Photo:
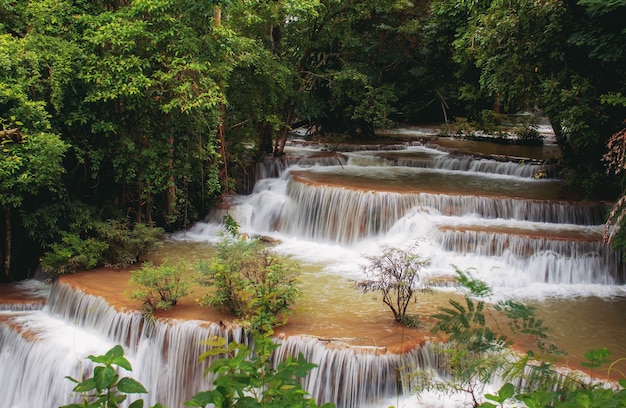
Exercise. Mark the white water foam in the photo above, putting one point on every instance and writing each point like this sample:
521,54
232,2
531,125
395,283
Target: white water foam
337,227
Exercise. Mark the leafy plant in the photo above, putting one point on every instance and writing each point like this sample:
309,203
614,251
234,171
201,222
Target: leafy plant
246,377
528,134
127,243
231,225
504,393
396,275
73,253
596,358
91,244
476,353
159,287
251,281
583,396
106,389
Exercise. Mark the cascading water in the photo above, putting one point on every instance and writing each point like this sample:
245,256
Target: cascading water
39,348
522,235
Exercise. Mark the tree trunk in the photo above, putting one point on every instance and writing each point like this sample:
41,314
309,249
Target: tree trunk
7,244
171,191
265,138
284,132
217,22
217,16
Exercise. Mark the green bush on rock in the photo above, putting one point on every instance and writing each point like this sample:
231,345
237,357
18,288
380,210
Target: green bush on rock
159,287
251,281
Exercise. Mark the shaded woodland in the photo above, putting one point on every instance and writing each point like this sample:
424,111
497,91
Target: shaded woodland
115,114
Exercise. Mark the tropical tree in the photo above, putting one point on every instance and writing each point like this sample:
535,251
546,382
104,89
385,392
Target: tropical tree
560,57
32,154
151,105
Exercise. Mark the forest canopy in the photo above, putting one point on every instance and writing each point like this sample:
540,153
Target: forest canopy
148,111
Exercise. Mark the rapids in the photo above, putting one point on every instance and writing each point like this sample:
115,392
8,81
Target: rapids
504,219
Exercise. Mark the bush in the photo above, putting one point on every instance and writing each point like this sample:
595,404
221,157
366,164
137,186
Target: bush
251,281
104,243
244,377
396,275
474,354
528,134
127,244
73,253
488,121
159,287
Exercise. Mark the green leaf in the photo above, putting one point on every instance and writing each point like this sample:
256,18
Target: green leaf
204,398
104,377
122,362
72,379
136,404
506,392
86,386
131,386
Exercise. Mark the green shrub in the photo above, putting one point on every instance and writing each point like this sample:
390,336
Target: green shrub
475,354
73,253
463,127
528,134
159,287
103,243
488,121
127,244
244,377
251,281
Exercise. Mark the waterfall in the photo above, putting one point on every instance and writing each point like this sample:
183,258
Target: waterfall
525,237
336,213
341,215
39,348
549,260
346,215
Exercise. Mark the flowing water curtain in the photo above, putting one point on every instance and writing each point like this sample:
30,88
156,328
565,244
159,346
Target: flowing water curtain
342,215
78,324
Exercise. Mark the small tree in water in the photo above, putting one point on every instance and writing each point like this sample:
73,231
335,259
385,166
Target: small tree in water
396,275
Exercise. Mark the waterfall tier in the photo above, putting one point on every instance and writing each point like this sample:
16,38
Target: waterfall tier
164,355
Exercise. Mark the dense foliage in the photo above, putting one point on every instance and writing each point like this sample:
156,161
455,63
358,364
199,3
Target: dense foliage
90,244
247,377
149,110
477,351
